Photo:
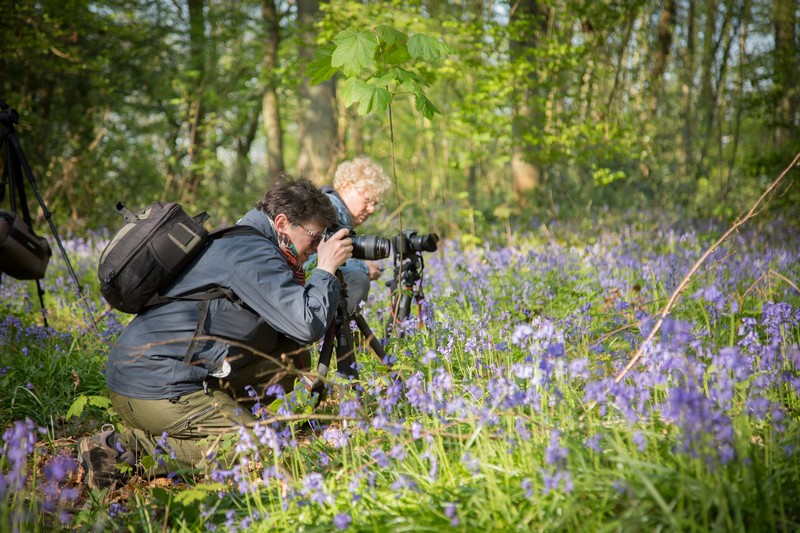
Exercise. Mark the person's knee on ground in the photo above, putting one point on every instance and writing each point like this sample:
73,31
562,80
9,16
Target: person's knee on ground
183,432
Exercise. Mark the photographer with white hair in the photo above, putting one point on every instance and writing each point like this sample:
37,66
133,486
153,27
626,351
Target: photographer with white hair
358,186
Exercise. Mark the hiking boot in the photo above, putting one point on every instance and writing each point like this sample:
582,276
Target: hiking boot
99,455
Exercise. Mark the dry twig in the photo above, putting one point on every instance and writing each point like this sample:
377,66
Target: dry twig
685,281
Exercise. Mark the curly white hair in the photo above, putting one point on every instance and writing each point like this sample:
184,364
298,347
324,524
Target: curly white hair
363,173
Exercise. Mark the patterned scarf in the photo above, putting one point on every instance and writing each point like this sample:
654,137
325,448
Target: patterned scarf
290,254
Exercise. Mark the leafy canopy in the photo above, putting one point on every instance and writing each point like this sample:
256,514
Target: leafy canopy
377,66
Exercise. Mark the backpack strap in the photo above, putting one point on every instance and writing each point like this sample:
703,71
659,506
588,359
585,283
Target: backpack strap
231,231
204,298
131,217
204,304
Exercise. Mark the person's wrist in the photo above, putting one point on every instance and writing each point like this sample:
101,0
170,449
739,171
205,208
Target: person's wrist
327,267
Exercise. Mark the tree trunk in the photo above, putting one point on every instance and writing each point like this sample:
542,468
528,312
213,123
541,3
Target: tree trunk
270,102
243,145
666,30
687,84
715,36
319,145
527,23
197,45
725,190
785,74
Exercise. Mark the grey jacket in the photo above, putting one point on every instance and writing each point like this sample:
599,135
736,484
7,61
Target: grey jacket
146,362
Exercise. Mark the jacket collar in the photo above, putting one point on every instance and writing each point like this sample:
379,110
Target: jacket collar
259,220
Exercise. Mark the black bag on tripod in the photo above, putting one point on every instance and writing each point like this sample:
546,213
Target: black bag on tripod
23,254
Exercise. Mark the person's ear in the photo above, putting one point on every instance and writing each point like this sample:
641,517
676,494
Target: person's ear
281,221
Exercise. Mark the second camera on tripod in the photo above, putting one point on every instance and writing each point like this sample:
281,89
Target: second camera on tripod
410,242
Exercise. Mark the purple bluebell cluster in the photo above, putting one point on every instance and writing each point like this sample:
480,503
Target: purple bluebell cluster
55,490
511,369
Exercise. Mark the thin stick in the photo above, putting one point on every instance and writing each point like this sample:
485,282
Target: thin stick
685,281
784,278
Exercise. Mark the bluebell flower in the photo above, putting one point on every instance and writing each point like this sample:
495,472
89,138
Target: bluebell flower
593,443
398,452
450,512
555,454
342,521
555,480
527,486
314,489
640,441
471,463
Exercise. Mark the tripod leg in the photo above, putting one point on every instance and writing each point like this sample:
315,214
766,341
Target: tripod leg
345,351
374,343
318,386
400,310
40,291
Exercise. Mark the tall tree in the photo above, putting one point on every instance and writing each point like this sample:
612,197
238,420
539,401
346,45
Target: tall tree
270,101
786,68
665,32
197,66
319,145
528,22
687,88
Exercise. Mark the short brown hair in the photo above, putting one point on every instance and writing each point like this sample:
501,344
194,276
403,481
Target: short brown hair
299,199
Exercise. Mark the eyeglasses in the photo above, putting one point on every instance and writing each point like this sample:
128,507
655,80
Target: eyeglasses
315,237
375,204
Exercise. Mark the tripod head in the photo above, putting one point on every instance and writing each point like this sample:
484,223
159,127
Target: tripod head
8,117
409,265
408,247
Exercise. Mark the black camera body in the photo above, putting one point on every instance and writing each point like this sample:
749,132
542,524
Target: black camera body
369,247
409,243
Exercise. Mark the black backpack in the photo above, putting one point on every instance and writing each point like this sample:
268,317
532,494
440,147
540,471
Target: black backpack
149,252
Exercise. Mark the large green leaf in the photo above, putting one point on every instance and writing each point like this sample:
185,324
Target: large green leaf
390,36
397,55
197,493
80,403
354,51
404,76
427,48
425,106
369,95
320,68
77,407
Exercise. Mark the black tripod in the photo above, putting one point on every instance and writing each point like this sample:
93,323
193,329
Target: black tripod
412,266
340,335
16,165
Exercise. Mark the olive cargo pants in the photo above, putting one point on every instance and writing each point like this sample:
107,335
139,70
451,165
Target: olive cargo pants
189,426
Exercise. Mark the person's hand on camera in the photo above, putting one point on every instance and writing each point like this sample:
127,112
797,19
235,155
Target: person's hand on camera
374,270
333,252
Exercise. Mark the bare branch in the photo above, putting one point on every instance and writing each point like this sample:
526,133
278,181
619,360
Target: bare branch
685,281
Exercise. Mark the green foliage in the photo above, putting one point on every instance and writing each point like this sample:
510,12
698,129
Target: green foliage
108,99
353,51
80,403
383,56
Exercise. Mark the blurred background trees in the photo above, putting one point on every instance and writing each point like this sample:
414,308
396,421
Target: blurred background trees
549,108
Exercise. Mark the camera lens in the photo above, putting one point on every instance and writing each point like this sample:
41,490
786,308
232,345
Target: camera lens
370,247
424,243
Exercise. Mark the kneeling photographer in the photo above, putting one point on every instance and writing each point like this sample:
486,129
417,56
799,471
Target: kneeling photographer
173,389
